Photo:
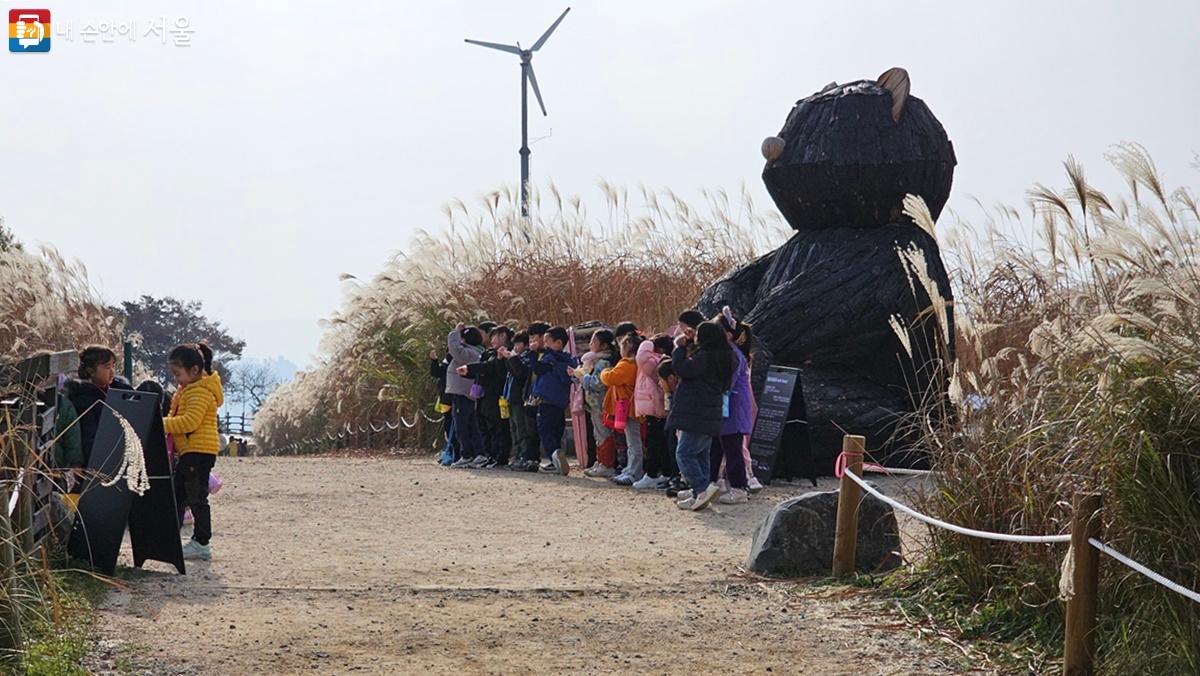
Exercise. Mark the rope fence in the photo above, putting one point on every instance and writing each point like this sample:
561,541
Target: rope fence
350,429
1080,571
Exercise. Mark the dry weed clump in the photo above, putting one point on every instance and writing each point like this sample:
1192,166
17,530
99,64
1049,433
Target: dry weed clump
645,257
1078,369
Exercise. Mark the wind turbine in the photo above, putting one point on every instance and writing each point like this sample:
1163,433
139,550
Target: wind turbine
527,78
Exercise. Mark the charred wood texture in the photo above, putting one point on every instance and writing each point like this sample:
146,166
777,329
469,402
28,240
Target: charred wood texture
846,163
822,302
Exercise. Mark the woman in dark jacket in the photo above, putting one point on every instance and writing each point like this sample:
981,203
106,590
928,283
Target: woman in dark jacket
698,406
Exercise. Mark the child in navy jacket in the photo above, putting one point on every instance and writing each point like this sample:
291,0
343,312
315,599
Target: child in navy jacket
552,390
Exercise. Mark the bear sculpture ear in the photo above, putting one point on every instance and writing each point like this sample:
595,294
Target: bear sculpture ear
772,148
895,80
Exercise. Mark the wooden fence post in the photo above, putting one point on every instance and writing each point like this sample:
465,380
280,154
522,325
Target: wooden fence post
1079,649
845,538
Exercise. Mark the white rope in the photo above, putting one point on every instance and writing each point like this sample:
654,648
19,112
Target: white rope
986,535
898,471
377,431
1173,586
433,420
390,426
407,424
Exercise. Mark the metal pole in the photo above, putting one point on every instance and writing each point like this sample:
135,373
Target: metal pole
129,361
524,136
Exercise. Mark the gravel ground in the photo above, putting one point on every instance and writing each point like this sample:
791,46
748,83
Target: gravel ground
396,565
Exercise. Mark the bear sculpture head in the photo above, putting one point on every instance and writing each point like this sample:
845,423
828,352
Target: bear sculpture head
848,155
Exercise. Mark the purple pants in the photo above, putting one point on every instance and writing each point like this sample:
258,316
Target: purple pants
728,446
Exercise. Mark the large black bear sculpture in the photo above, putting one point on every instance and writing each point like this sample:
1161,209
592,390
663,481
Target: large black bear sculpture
825,302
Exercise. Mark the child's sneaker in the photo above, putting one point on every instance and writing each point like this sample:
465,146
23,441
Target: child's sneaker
548,467
677,487
705,497
599,471
479,462
754,485
462,462
560,461
194,551
646,483
734,496
623,480
685,500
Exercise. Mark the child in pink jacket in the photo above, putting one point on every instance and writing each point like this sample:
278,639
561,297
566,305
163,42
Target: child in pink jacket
649,407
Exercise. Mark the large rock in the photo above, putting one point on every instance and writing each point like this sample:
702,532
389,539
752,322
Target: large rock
796,539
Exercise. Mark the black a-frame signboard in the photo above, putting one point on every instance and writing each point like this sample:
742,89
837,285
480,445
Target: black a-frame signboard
779,446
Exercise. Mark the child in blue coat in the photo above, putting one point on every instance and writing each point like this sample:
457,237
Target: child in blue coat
552,390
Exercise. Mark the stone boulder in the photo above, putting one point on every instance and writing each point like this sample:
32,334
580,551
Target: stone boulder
796,539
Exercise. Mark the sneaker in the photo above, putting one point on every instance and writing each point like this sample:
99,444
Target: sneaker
561,462
663,484
599,471
685,500
753,485
462,462
623,480
479,462
676,487
705,497
194,551
646,483
734,496
548,467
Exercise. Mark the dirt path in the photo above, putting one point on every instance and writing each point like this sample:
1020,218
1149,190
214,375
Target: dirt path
400,566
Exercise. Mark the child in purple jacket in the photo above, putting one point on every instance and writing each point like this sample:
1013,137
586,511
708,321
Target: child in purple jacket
737,424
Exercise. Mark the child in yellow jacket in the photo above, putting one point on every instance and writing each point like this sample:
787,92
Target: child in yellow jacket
192,423
621,380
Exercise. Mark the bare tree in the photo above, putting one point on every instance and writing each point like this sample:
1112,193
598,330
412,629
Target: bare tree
252,382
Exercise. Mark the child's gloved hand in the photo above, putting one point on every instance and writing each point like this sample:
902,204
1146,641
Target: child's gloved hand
461,370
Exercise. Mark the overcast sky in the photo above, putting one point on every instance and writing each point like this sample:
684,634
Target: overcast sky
293,141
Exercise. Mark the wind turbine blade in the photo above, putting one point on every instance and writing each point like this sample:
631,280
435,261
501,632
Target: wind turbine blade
492,45
536,92
545,36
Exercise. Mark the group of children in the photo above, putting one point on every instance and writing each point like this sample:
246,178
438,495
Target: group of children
189,421
665,412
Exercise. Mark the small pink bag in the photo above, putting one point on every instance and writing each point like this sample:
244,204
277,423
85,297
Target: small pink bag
621,416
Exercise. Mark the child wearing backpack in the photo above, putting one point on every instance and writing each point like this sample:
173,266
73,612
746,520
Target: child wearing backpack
465,344
600,357
649,407
698,407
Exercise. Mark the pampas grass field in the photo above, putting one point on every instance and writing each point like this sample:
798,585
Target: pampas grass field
1078,370
644,257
